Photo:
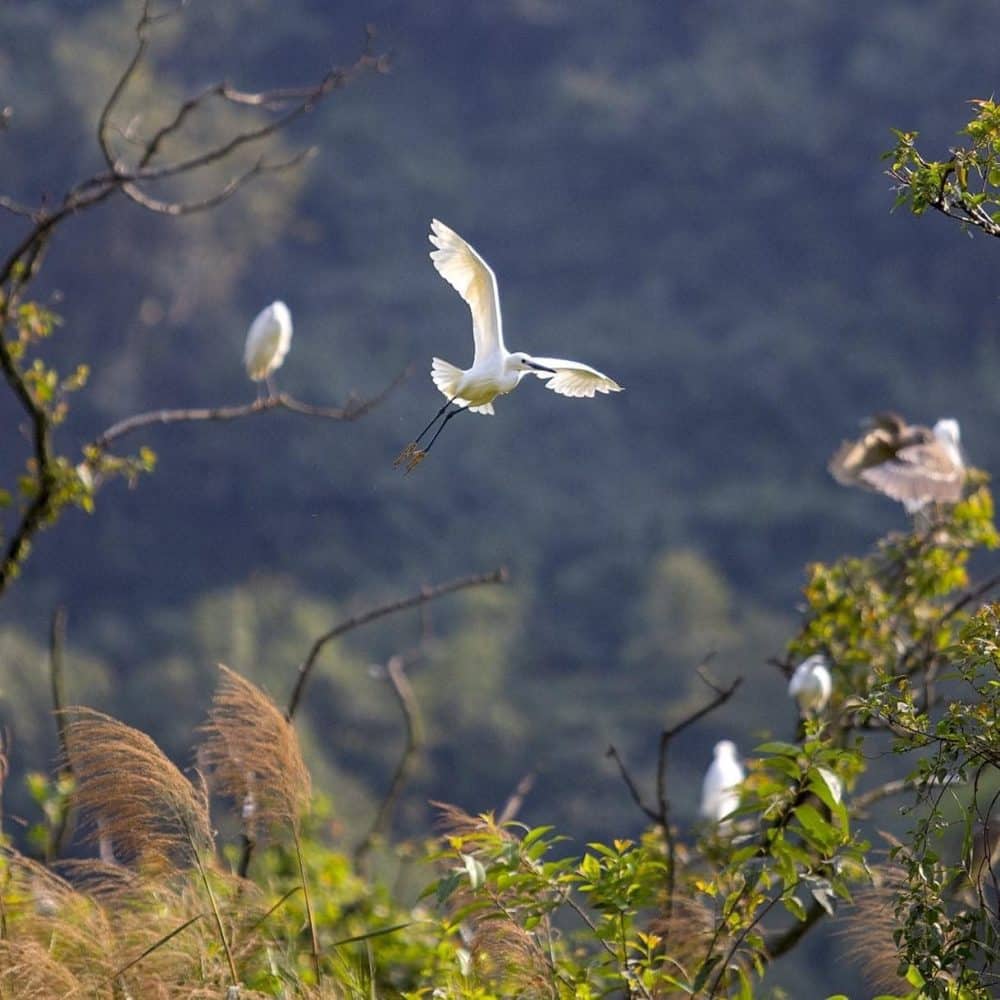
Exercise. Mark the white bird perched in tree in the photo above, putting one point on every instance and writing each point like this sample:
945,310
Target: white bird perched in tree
811,685
268,340
495,371
720,791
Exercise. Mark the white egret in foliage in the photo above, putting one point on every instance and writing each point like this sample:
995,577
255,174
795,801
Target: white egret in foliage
268,340
811,685
495,371
720,791
913,464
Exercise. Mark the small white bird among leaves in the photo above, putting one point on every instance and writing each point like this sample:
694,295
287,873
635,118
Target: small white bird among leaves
720,791
268,340
495,371
811,685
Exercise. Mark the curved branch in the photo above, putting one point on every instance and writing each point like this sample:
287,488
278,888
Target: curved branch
396,671
426,594
352,410
177,208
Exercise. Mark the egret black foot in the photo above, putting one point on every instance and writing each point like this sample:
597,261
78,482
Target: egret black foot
406,455
415,459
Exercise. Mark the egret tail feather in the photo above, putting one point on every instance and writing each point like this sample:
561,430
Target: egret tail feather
447,378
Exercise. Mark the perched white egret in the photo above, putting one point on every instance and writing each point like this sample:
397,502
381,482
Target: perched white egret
495,371
912,464
268,340
811,685
720,791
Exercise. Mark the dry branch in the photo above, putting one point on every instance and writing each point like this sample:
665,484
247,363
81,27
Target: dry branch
352,410
22,262
372,614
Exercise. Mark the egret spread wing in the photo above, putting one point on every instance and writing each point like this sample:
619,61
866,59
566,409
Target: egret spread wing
470,276
573,378
918,473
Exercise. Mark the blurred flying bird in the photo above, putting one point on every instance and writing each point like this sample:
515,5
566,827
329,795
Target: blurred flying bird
720,793
907,462
811,685
495,371
268,340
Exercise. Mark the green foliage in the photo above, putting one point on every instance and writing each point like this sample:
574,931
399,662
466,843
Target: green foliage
966,186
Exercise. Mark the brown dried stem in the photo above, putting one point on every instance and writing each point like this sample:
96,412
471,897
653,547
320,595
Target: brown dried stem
660,814
57,641
353,409
396,671
372,614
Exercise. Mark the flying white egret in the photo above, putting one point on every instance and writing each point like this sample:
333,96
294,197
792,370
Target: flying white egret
811,685
495,371
268,340
720,791
912,464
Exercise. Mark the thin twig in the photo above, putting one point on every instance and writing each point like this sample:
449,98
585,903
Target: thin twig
352,410
722,695
396,671
513,804
781,943
57,642
157,944
310,919
424,595
231,187
630,784
873,795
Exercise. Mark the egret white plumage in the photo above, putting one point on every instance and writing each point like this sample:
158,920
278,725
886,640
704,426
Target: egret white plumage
495,371
811,685
910,463
720,790
268,340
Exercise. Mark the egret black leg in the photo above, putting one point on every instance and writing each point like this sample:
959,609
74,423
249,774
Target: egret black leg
430,444
416,440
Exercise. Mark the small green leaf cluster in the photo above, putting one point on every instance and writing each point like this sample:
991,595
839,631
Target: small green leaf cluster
965,186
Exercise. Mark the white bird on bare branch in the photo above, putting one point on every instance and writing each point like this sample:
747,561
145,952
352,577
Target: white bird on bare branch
495,371
268,340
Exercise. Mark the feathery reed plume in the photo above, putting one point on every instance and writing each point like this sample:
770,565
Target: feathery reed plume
254,757
510,957
868,932
253,753
129,791
686,931
29,972
72,928
454,821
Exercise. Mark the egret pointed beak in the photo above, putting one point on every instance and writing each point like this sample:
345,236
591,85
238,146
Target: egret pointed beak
540,368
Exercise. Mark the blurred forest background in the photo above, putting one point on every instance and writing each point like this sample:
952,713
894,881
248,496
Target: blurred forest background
687,196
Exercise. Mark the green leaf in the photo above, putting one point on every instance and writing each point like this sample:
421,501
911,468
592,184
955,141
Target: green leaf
779,747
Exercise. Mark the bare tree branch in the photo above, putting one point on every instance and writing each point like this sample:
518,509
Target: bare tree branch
396,672
177,208
23,260
372,614
120,86
352,410
660,814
